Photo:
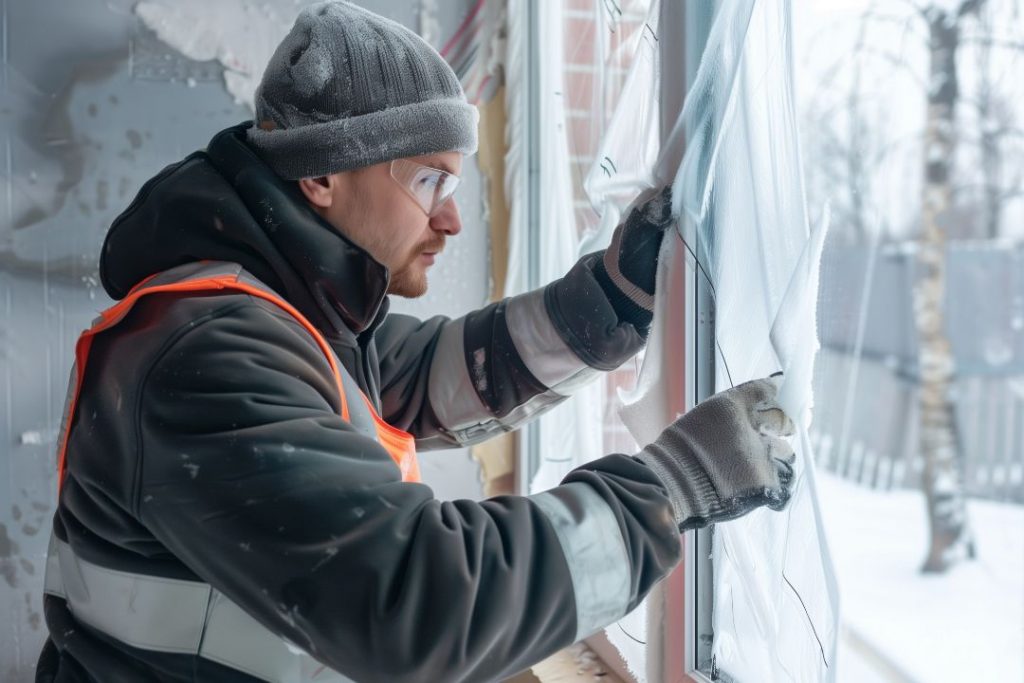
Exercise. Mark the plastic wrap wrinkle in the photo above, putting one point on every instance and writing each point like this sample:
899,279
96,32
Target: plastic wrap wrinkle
709,106
739,188
563,431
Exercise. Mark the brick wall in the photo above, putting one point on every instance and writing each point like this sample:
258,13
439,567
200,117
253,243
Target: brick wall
600,37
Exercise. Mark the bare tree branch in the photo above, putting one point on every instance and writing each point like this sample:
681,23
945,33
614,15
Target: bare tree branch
969,7
994,42
1010,191
896,61
908,22
921,10
1002,134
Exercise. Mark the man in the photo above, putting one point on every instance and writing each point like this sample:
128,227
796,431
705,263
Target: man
238,484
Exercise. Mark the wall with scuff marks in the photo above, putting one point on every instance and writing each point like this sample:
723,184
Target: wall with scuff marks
92,104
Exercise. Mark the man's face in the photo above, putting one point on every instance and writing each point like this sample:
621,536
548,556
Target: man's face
369,207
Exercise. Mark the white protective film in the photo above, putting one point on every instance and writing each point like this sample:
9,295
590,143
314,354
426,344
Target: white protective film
626,163
576,431
776,600
740,192
565,433
586,55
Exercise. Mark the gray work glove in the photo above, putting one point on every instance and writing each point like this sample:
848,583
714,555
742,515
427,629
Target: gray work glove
727,456
629,267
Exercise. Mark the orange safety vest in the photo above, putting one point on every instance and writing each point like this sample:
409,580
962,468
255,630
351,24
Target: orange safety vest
212,276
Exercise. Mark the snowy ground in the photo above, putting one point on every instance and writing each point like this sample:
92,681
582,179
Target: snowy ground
904,626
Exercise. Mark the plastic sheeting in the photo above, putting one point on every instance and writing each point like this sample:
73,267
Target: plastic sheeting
572,433
740,191
776,600
566,432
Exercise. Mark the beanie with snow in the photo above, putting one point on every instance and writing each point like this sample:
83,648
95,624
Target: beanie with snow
348,88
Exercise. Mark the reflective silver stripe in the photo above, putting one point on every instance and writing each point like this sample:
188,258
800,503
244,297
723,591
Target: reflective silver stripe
65,415
147,612
541,348
53,584
474,433
585,376
457,403
451,392
536,405
181,617
235,639
594,550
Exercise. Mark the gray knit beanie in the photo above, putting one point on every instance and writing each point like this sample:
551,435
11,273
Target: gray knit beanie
348,88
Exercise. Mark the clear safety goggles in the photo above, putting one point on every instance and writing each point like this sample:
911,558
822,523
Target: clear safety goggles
430,187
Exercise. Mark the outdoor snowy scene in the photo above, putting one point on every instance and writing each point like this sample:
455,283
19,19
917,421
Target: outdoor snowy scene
912,117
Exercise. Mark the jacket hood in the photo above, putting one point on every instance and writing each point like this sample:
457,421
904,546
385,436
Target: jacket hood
225,204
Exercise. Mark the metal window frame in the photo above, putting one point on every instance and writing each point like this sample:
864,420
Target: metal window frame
528,443
688,593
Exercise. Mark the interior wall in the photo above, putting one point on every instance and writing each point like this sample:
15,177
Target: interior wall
92,104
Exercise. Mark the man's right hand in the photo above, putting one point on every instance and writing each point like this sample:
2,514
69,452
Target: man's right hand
727,456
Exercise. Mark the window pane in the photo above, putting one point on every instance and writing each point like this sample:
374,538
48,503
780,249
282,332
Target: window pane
911,128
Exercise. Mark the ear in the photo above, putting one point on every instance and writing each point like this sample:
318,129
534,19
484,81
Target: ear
319,191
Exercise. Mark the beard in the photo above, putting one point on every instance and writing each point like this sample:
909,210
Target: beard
410,280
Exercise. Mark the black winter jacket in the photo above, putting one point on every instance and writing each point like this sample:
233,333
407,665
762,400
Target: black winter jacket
207,446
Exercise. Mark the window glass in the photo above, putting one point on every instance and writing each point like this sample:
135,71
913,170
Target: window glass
912,116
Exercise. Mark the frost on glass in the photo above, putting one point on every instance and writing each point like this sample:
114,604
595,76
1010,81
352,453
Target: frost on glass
739,192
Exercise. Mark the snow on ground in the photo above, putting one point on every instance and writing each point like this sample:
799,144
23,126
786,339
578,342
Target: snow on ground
965,624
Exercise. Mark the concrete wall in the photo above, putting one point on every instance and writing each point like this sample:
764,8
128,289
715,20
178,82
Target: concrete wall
91,105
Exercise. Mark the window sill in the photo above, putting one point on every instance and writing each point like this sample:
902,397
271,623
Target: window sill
574,664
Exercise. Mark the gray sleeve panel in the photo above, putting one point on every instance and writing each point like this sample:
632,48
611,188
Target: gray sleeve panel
436,389
459,382
455,396
594,551
542,349
454,399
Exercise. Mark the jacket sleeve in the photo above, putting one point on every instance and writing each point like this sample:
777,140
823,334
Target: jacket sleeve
459,382
249,477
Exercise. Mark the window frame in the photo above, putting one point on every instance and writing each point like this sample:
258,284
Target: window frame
528,443
698,567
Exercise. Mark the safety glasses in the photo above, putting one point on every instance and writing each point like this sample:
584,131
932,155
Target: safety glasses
430,187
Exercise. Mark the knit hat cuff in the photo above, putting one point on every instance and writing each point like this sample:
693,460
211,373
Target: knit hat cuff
319,149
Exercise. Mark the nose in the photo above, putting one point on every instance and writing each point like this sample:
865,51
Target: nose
447,220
